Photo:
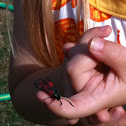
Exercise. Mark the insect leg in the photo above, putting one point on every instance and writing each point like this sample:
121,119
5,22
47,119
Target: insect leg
60,103
68,101
49,97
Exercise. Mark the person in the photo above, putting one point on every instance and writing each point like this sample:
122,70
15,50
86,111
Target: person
37,54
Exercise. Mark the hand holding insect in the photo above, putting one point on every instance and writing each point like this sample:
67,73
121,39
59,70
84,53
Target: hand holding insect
95,89
48,87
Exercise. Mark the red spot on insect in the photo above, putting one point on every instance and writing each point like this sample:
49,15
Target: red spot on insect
50,93
46,86
118,37
50,83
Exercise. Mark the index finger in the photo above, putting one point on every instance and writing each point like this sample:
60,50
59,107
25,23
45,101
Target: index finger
100,32
81,108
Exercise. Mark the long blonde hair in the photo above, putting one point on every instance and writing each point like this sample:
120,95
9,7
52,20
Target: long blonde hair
40,27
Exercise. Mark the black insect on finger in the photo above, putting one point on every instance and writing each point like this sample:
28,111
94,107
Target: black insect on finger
48,87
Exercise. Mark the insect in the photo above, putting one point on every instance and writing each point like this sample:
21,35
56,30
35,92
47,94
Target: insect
48,87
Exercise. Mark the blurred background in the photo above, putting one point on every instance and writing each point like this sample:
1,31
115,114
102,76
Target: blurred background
8,116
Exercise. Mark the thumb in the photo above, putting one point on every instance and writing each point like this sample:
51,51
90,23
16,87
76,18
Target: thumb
111,54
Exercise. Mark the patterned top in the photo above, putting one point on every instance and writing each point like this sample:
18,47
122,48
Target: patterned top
64,12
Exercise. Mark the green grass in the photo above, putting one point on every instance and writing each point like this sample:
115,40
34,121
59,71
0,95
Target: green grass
8,116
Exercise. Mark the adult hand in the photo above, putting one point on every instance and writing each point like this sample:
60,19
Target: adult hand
95,89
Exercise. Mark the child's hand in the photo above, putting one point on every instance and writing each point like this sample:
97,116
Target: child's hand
80,58
103,116
113,117
95,89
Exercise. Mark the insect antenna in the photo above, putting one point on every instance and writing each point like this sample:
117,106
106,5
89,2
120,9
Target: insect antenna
68,101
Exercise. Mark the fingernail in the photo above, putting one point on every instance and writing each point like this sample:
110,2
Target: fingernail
115,115
104,27
97,45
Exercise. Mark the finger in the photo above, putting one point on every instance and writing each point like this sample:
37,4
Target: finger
103,116
67,47
55,106
100,32
81,108
117,113
94,32
77,67
73,121
112,116
122,121
44,97
111,54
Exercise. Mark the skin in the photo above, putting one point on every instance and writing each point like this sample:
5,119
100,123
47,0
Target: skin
90,83
25,69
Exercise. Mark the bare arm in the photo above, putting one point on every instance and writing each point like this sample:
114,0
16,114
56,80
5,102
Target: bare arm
24,96
24,70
